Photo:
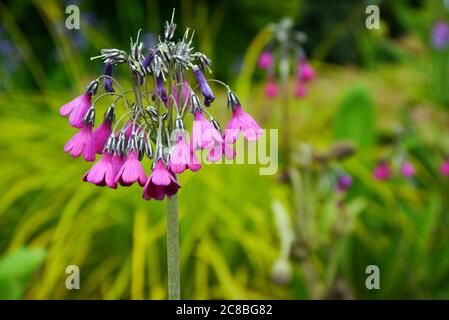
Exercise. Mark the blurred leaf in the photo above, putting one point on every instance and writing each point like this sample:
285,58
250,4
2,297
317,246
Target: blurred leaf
16,269
355,119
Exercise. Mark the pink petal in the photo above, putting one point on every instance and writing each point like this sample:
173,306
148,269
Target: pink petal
160,175
77,115
66,109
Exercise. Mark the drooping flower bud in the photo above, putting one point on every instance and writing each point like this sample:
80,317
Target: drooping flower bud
204,86
107,79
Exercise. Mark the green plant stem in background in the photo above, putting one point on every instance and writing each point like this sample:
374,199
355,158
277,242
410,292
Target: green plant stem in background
285,121
174,287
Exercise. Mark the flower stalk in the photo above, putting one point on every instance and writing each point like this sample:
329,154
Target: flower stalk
174,286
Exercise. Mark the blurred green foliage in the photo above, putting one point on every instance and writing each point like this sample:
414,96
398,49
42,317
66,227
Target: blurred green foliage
49,218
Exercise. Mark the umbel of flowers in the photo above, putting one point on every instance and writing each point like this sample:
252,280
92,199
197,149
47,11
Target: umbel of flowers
148,119
284,53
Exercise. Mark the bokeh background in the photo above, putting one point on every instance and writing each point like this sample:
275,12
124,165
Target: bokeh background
370,85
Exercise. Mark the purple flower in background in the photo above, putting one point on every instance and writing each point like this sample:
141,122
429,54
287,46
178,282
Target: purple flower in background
79,40
407,170
149,39
382,171
89,18
9,53
300,89
265,60
444,169
6,47
271,88
305,71
343,183
440,35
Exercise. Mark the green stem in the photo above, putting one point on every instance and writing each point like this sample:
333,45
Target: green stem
286,121
174,287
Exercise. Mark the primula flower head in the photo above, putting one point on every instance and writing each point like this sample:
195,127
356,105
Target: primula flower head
163,96
285,46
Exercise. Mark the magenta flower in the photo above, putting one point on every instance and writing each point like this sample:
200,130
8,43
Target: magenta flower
117,161
160,183
444,169
242,122
265,60
182,157
76,109
407,170
226,148
306,73
382,171
103,172
131,171
343,183
101,135
300,90
204,134
82,143
271,89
